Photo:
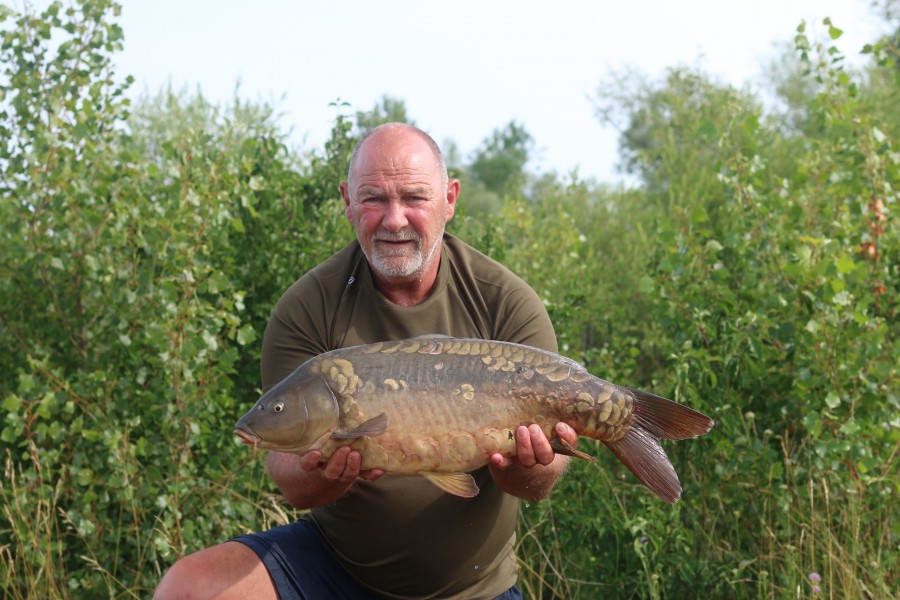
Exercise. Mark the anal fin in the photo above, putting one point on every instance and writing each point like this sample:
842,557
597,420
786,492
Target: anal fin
641,452
458,484
371,428
561,446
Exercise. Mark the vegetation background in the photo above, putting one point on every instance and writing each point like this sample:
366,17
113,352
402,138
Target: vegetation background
753,274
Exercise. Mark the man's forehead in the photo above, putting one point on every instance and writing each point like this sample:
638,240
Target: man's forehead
403,188
395,148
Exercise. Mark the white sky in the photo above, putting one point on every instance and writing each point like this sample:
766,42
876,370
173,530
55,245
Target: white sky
463,67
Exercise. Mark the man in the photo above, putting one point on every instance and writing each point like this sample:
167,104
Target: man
391,537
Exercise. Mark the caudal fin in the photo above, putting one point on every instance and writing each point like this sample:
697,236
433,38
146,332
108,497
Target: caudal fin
666,419
640,450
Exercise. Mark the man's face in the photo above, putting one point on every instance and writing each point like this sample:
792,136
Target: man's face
399,204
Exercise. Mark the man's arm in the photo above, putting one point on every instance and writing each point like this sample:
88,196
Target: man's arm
534,471
305,483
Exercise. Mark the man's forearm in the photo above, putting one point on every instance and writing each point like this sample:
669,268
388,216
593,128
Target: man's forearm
301,488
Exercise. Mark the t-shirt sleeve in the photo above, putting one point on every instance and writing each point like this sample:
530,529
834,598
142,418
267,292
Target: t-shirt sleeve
296,332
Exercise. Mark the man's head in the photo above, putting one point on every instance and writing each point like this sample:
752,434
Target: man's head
399,199
397,127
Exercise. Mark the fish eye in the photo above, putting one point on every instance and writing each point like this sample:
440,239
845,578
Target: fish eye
278,407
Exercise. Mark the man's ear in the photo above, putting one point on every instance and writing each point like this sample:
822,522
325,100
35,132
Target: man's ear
452,195
345,194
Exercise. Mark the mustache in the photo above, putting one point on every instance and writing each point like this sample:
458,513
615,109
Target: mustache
409,236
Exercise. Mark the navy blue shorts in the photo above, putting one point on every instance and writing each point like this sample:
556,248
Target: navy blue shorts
303,569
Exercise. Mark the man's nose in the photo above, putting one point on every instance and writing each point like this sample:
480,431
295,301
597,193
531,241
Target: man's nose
394,217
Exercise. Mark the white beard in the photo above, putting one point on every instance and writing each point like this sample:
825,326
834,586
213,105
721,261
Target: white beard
397,263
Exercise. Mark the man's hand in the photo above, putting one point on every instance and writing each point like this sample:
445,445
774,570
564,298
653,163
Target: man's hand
307,483
343,466
534,470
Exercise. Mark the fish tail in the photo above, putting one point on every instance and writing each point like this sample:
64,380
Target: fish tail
640,450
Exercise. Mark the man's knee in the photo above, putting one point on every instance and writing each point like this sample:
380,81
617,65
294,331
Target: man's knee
229,570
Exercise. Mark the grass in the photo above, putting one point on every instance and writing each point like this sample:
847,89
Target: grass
804,534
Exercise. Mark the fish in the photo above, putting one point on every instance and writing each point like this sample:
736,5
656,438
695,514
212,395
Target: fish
439,407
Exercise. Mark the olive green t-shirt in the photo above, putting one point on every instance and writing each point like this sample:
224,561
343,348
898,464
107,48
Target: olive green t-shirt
402,537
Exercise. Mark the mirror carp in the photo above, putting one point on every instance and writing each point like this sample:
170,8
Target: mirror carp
439,407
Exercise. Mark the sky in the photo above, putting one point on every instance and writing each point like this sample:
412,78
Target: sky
464,67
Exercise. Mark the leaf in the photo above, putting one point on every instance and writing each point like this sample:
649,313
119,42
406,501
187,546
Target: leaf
699,215
246,334
217,282
11,403
26,383
845,264
832,400
646,285
851,427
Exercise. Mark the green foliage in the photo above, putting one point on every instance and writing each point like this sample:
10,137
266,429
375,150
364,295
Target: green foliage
497,171
386,110
753,275
772,278
499,164
135,283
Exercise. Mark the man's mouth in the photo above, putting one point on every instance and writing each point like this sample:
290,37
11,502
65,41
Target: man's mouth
394,241
395,244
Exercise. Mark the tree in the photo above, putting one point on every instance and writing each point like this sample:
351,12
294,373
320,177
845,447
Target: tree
386,110
499,163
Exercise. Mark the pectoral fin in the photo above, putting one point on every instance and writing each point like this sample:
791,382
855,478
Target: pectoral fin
458,484
371,428
561,446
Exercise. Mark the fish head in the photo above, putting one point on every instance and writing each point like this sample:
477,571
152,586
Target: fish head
292,416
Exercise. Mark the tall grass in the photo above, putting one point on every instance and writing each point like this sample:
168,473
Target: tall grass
807,533
31,561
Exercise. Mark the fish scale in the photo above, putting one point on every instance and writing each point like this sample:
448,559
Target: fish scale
439,407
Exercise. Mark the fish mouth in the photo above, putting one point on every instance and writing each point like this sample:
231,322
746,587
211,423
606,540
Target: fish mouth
248,437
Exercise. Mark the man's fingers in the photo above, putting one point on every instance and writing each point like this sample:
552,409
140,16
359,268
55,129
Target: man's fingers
351,468
371,474
566,432
524,448
501,462
337,467
310,460
543,453
533,447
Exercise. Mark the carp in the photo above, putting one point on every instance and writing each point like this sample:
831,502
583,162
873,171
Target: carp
439,407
